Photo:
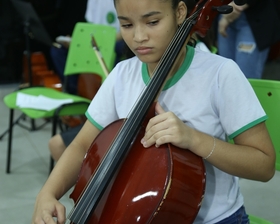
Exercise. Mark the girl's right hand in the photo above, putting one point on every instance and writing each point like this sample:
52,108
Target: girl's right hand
47,207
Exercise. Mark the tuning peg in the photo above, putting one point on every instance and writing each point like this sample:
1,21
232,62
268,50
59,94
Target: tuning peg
240,2
224,9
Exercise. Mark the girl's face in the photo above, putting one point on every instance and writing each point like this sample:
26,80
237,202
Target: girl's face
147,26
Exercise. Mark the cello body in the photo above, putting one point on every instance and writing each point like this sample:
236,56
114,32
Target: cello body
153,185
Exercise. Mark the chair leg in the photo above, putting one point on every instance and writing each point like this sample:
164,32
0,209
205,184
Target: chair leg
9,151
14,123
33,125
54,127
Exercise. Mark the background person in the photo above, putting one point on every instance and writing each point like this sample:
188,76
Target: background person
246,34
97,12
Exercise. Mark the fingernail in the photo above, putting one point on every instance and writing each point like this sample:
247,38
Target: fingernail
144,143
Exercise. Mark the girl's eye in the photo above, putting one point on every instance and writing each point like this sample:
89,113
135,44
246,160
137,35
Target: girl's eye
153,23
126,25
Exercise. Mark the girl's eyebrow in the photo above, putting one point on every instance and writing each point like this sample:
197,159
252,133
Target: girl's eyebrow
144,16
151,14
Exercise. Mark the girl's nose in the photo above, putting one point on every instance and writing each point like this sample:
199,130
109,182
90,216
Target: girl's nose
139,34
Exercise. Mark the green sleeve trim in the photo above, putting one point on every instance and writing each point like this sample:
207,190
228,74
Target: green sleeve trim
98,126
252,124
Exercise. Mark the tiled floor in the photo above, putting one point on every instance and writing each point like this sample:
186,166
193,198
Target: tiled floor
30,166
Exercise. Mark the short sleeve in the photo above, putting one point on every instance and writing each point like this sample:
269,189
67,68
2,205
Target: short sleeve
101,110
238,106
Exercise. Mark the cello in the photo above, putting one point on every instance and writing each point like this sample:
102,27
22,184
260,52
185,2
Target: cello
122,182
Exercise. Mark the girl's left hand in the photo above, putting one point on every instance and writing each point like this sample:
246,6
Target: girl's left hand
166,127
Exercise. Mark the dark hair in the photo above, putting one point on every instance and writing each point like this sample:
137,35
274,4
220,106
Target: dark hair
189,3
208,39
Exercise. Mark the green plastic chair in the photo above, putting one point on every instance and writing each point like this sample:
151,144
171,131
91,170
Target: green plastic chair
268,93
257,220
81,49
81,59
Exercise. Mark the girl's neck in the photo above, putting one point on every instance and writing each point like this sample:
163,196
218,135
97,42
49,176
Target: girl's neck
179,61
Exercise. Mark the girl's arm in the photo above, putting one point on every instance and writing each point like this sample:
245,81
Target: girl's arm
252,156
63,177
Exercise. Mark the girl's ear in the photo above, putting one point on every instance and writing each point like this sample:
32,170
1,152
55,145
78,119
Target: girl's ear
182,11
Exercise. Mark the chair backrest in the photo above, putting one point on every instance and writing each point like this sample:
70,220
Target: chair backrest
81,57
268,93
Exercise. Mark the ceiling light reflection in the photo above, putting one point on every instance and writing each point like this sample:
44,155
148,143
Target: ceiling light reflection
147,194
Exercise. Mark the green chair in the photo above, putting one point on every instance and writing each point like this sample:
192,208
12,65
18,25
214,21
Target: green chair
257,220
268,93
81,59
81,49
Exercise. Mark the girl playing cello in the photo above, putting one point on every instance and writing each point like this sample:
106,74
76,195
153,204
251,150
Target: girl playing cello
206,98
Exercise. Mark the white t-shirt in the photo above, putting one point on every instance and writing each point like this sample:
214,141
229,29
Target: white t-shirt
102,12
200,45
208,93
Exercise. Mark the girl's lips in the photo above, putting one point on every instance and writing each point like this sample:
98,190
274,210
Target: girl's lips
143,50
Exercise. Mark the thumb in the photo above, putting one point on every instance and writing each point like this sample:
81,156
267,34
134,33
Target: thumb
159,109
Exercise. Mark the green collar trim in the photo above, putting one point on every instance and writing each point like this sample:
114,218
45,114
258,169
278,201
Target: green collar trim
174,79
